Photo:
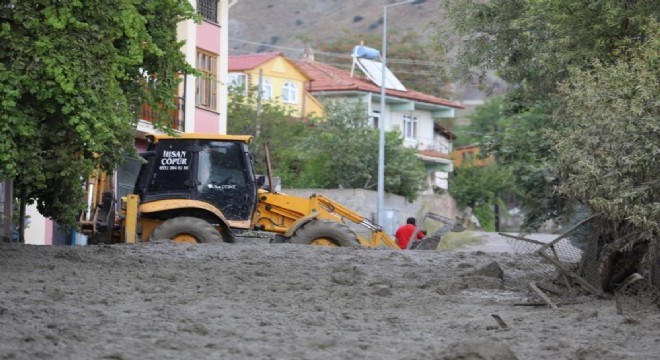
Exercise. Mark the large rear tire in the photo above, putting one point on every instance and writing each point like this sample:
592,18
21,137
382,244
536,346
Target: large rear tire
186,229
325,233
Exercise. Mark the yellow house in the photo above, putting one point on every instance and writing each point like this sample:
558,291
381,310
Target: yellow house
281,81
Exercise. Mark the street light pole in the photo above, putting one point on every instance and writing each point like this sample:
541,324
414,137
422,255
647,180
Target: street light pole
380,201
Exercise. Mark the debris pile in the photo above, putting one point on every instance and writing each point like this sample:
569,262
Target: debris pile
569,267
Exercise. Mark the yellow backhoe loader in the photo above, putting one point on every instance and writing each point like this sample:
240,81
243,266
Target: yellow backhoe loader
201,188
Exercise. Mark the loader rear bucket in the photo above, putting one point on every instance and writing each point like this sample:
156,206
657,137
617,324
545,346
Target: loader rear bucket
431,241
426,243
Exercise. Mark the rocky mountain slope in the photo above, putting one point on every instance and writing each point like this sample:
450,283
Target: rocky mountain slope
292,25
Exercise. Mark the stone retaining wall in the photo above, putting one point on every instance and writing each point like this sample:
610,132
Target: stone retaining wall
396,207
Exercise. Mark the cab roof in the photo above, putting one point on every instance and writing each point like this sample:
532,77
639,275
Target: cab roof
154,138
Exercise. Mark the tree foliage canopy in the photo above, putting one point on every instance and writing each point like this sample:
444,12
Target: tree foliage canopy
339,151
608,153
486,122
532,45
585,113
481,188
340,148
344,150
73,77
270,123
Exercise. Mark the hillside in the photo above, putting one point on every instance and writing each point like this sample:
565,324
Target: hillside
292,25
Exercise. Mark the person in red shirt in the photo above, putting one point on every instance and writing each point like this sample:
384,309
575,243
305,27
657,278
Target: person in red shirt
404,232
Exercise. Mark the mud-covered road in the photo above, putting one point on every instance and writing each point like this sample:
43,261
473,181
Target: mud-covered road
280,301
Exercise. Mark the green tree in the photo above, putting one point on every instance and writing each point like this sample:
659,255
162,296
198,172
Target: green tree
584,79
73,76
270,123
487,121
339,151
342,152
484,189
480,189
405,173
531,45
608,153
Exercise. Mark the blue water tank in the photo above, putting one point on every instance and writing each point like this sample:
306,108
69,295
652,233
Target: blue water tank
362,51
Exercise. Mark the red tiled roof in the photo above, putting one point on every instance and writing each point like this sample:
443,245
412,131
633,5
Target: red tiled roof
328,78
251,61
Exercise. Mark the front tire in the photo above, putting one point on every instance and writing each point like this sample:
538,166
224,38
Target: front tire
325,233
186,229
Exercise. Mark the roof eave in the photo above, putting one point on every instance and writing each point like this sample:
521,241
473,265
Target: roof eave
446,110
434,159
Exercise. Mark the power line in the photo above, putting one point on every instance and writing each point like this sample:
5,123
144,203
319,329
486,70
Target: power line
343,65
264,44
298,50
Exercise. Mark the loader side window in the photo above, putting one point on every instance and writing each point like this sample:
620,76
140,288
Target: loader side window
223,179
127,175
145,171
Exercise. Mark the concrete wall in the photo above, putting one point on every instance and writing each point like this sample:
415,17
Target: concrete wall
396,208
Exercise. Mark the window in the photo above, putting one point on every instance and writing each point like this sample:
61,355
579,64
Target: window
208,9
238,82
440,180
205,86
289,92
266,90
374,119
409,127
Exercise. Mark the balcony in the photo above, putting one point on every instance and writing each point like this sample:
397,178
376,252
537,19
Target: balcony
178,116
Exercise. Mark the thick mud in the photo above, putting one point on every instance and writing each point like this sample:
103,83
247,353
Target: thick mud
281,301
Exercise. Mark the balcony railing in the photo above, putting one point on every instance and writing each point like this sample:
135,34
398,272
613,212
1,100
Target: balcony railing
178,115
441,148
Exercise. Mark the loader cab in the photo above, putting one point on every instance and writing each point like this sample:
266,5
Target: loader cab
214,169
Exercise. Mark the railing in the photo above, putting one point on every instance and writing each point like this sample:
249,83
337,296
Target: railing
208,9
178,115
442,148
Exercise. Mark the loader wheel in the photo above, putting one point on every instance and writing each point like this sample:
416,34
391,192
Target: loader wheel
187,229
325,233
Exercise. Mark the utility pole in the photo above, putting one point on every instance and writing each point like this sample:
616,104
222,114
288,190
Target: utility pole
380,201
260,87
7,211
